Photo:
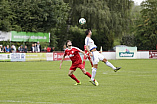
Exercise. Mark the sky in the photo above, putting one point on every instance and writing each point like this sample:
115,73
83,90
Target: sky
138,1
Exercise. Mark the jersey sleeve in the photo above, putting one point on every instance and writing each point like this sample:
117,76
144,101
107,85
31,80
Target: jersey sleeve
87,41
77,49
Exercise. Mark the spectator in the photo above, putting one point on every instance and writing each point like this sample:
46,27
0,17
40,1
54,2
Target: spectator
25,49
20,49
44,50
64,47
33,48
14,48
48,49
11,49
1,49
7,48
38,47
4,49
52,49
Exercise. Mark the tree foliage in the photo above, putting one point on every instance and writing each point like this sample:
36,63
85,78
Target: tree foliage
32,15
146,30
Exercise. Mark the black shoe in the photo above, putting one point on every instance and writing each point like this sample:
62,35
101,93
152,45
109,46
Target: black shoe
117,68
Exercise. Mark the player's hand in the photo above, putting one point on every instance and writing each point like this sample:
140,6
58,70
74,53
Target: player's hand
60,65
86,55
91,54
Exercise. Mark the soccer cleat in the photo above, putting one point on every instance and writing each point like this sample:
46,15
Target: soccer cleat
77,84
95,83
117,68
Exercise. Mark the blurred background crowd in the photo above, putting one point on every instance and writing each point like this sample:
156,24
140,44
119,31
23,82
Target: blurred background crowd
36,47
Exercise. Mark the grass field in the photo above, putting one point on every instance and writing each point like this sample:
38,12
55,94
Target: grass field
44,82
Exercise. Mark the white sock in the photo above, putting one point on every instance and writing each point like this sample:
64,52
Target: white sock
110,65
93,73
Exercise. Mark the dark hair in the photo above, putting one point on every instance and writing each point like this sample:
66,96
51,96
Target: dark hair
67,42
87,31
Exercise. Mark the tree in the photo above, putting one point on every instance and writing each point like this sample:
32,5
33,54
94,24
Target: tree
33,16
146,32
108,18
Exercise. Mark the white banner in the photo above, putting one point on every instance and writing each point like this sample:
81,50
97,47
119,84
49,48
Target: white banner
18,56
5,57
5,36
126,52
49,56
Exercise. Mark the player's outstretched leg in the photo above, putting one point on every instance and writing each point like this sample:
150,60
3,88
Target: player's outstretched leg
110,65
73,77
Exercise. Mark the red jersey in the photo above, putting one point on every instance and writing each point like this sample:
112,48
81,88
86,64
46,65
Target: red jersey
74,55
48,49
85,50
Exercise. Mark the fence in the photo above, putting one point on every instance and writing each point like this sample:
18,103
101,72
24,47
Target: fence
56,56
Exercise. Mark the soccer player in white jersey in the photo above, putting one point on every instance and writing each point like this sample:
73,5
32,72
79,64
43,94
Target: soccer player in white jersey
96,56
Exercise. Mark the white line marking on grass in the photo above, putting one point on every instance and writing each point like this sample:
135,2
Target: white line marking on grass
105,73
144,75
12,101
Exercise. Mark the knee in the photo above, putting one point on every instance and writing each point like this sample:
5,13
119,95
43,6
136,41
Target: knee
69,74
84,72
104,60
95,67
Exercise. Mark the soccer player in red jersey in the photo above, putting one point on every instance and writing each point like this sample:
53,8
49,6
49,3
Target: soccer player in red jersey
73,53
88,56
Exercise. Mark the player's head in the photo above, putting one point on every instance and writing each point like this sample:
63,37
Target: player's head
88,32
69,43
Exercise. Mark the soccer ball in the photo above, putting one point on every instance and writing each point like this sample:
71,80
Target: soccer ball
82,21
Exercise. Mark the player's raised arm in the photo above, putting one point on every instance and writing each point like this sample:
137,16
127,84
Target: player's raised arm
83,53
62,61
87,48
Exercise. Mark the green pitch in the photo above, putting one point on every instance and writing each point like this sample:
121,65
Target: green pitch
44,82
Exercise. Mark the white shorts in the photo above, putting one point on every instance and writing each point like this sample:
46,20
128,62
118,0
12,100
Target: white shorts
96,57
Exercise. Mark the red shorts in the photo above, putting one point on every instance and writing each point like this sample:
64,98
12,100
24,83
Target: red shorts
74,67
89,58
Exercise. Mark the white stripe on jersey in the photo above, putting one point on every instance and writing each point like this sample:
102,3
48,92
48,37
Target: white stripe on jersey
73,47
77,48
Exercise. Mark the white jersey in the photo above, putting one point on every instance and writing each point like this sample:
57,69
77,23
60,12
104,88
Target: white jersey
89,42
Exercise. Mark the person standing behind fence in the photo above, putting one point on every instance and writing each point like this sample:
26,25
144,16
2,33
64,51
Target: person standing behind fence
32,48
20,49
1,49
11,49
14,48
38,47
25,49
35,47
4,49
7,48
48,49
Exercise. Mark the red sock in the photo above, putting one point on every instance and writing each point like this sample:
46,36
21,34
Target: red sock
91,63
84,63
74,78
89,75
